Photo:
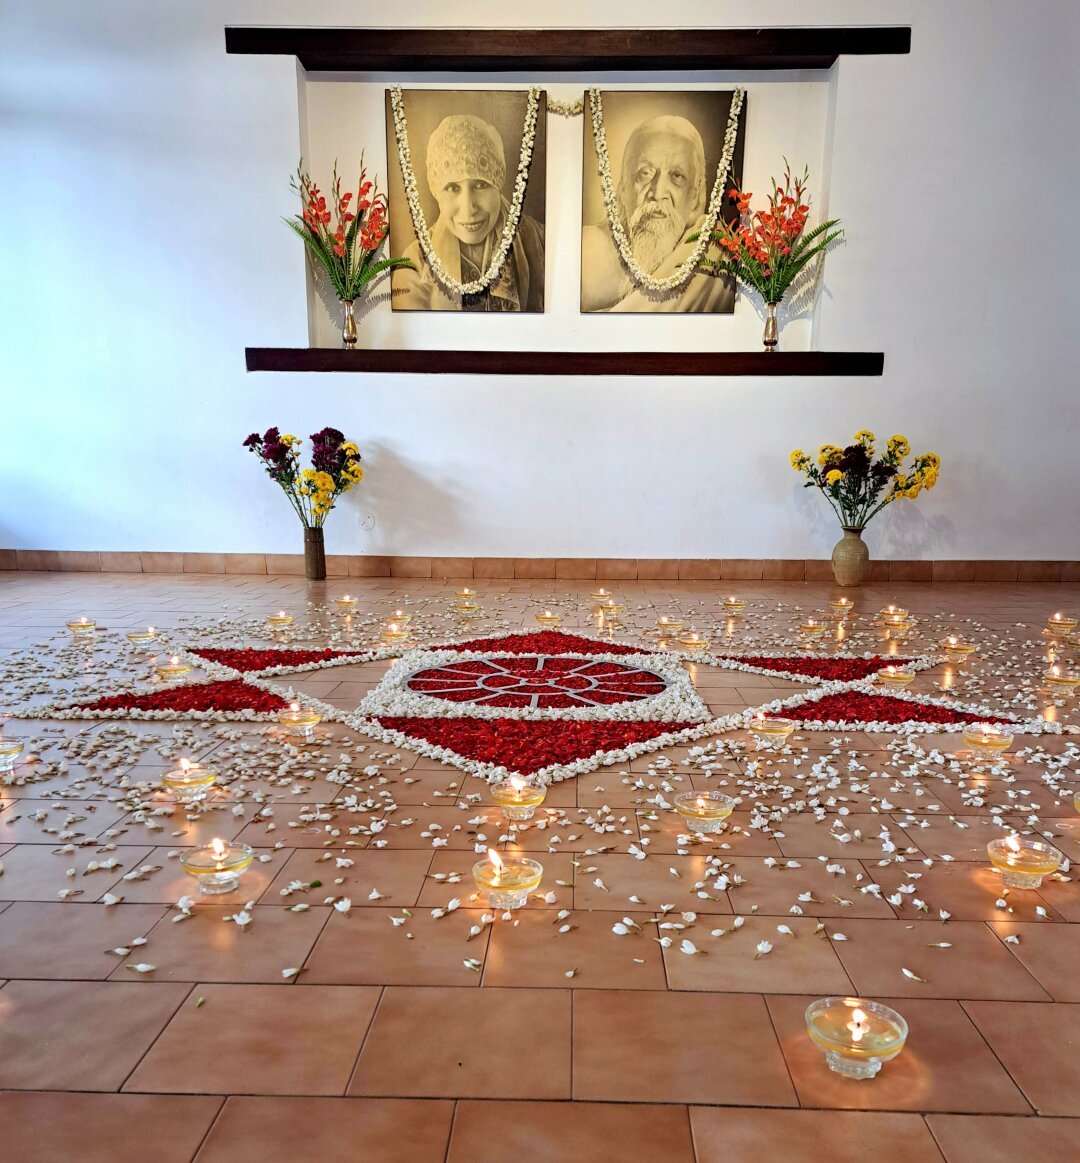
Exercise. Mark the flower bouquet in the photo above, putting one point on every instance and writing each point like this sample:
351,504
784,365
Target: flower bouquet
768,249
312,492
343,237
858,487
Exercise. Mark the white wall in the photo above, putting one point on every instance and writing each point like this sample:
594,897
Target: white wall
146,173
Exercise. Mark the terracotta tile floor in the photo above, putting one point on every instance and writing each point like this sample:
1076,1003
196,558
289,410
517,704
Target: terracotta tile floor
469,1037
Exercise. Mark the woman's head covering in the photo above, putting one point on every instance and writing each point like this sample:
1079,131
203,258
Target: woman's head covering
464,147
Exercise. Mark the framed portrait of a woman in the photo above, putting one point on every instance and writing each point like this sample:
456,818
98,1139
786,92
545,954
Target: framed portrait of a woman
465,147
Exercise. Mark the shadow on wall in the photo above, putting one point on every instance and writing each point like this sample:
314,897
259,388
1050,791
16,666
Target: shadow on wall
410,508
899,531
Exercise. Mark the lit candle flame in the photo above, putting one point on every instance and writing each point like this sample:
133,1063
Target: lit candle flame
217,846
399,613
1012,843
175,660
294,707
281,613
701,803
150,629
497,864
393,627
856,1025
184,765
517,783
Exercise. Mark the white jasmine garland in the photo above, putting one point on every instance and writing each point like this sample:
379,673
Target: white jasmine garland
416,211
712,213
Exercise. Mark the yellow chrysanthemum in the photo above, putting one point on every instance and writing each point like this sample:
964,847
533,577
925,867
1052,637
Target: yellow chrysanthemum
929,478
289,440
826,452
865,436
798,458
932,459
899,447
350,449
833,476
914,491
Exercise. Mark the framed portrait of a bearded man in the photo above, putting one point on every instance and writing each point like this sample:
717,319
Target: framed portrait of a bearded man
464,148
663,150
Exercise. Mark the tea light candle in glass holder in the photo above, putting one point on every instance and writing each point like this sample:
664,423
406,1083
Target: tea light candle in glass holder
279,620
841,607
394,633
987,740
693,641
1061,681
610,609
189,781
956,650
896,677
856,1035
141,639
811,628
10,749
173,670
1061,623
666,625
465,601
770,733
81,628
401,617
704,811
894,615
1022,862
218,866
548,618
601,595
517,798
507,882
346,603
734,606
300,721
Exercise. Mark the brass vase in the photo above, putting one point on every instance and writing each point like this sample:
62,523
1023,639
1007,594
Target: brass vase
851,558
314,554
348,326
772,335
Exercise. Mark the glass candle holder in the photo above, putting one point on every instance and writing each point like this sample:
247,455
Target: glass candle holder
467,593
610,609
1061,623
601,595
10,749
841,607
173,670
548,618
734,605
812,628
693,641
300,721
704,811
770,734
896,677
1022,862
394,633
189,781
987,740
401,617
893,615
507,882
218,866
518,799
141,639
957,650
81,628
1061,680
279,620
668,626
346,603
856,1035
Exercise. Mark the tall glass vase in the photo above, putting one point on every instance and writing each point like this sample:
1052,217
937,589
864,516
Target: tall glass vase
314,554
348,326
772,335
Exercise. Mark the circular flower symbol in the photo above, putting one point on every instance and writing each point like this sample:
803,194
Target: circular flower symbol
537,681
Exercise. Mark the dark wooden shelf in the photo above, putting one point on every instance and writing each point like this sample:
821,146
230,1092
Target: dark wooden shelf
593,50
566,363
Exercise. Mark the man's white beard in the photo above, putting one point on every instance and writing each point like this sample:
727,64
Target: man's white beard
654,231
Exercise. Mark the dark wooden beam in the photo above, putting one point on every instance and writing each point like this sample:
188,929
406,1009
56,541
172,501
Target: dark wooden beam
565,49
566,363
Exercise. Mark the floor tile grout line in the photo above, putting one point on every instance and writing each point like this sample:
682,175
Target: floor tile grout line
364,1040
937,1144
209,1130
963,1003
153,1042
